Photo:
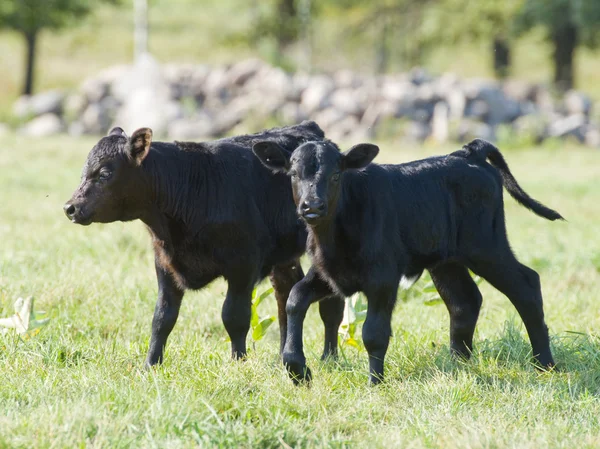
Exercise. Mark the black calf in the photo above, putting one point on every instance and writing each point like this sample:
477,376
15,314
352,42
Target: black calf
212,210
373,226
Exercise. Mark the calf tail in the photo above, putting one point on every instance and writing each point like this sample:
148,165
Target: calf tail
485,150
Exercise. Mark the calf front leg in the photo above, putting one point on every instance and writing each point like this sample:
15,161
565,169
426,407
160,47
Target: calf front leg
165,315
283,278
236,314
309,290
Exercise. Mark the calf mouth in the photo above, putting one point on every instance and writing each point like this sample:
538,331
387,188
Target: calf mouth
312,218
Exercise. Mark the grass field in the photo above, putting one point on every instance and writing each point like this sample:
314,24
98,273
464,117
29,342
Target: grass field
79,382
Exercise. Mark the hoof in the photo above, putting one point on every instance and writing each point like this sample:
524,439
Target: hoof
297,369
333,355
545,365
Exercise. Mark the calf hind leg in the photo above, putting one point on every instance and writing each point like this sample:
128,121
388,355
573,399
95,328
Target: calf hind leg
463,301
521,285
283,278
332,314
377,330
236,315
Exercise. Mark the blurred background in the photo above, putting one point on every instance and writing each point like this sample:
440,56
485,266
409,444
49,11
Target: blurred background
519,72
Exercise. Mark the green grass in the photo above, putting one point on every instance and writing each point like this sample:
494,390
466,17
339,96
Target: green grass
79,382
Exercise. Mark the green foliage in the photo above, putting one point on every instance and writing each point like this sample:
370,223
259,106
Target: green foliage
259,325
555,15
355,313
458,20
30,16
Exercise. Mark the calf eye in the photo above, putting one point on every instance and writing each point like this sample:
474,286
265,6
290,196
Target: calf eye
336,176
293,174
104,174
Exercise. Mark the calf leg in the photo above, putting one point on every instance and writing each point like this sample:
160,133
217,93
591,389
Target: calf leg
377,330
283,278
165,315
332,314
522,286
236,314
309,290
463,300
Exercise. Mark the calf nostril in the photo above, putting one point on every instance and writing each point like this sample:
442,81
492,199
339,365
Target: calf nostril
305,205
69,210
320,206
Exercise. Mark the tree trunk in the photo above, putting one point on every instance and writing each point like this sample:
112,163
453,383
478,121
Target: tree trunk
140,23
565,42
286,27
382,56
501,57
30,39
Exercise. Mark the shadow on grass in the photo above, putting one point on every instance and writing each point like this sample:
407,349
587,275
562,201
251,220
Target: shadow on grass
505,362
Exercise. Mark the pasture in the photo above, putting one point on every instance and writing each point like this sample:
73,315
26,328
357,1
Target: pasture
79,382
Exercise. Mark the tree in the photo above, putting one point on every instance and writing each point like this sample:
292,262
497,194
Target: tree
395,23
29,17
567,24
464,20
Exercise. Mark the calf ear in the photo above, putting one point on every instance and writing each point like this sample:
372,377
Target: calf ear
359,156
273,156
117,131
139,145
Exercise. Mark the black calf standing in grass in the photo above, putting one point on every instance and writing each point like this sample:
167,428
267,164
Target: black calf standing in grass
373,226
212,210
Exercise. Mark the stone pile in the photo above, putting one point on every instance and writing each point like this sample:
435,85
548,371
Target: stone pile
185,102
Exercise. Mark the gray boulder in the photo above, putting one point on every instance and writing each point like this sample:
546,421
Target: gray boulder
42,126
49,102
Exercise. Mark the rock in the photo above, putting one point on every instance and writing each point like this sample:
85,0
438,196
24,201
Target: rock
592,137
531,126
346,100
199,127
242,71
144,96
470,129
518,90
397,90
346,79
573,125
342,128
577,103
316,95
329,117
440,128
291,112
95,120
74,106
375,113
42,126
49,102
418,76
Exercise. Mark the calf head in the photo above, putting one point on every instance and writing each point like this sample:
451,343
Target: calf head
316,170
112,183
